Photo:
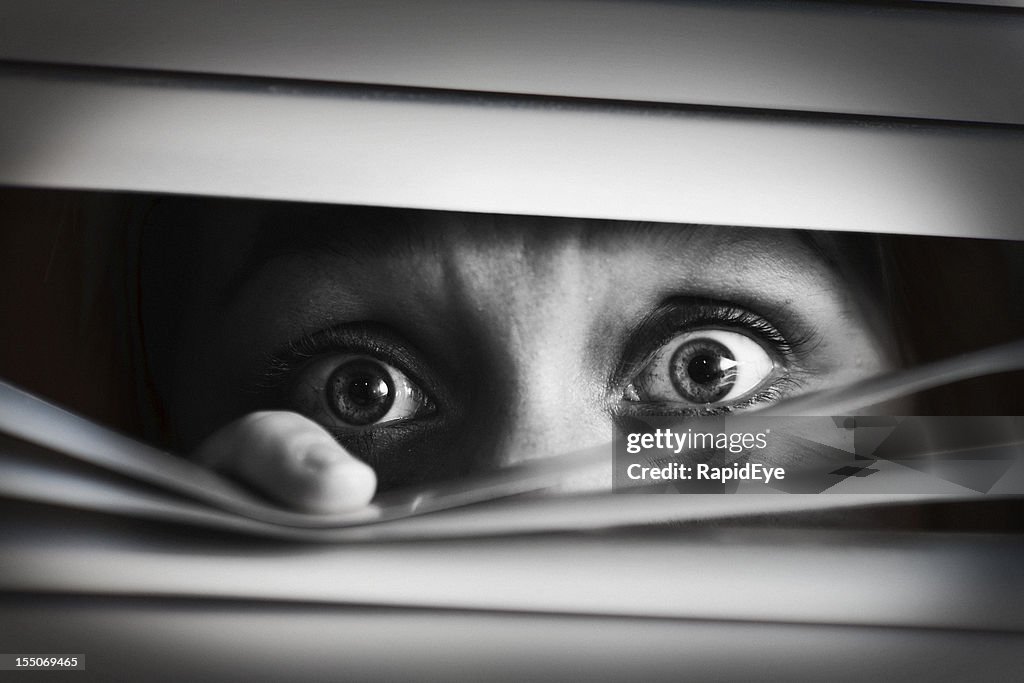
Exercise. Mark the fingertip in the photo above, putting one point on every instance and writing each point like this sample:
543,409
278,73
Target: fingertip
330,480
293,460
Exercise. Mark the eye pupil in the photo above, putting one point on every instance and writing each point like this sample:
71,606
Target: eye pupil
367,391
704,369
360,392
701,371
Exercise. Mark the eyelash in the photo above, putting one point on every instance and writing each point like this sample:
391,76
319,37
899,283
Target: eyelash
355,338
686,315
674,318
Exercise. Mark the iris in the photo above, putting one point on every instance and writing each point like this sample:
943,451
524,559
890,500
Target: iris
702,370
360,392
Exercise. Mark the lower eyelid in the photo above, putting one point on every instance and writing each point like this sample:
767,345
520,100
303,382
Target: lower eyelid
771,392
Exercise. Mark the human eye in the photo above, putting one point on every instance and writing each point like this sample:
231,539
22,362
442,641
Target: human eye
355,380
704,357
354,392
375,393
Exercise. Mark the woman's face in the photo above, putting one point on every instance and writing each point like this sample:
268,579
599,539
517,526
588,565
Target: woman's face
432,345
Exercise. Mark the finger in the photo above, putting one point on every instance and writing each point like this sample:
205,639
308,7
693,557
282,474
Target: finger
291,459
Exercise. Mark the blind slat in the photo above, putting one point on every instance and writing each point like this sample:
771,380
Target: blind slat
504,156
932,61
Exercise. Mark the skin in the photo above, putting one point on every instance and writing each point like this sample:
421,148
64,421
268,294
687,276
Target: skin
518,330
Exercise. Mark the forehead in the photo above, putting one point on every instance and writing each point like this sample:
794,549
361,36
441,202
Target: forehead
231,243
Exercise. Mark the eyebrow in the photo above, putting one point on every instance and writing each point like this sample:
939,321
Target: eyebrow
352,233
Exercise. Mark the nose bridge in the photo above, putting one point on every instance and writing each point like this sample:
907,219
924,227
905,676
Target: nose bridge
536,428
532,317
549,397
554,406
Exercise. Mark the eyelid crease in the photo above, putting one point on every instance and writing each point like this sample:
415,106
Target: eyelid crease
369,338
680,315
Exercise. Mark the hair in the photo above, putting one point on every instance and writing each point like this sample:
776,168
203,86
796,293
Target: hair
948,296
